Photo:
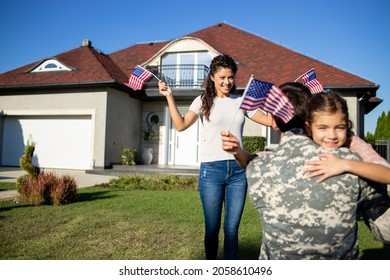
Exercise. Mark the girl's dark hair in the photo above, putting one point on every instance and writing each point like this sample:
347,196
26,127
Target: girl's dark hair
299,96
329,102
220,61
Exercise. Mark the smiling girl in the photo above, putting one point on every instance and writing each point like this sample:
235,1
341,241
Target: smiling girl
329,126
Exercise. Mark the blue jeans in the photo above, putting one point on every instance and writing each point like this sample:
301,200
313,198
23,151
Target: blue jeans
222,182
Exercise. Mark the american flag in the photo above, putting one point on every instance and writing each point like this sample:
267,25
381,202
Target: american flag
269,98
138,78
310,80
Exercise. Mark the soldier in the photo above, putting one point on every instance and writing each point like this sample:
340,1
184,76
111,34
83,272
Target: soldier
302,218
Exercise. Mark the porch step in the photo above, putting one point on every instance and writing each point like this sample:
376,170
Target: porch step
147,170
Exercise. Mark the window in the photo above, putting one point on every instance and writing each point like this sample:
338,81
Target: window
51,65
186,69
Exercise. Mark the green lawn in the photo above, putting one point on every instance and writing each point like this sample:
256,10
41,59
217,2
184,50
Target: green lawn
116,224
7,186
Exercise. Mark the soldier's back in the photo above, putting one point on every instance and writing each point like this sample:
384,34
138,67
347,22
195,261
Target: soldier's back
302,219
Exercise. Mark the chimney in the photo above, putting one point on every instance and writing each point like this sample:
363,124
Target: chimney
87,43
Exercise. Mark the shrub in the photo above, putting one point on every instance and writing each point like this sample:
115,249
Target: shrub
21,181
254,144
37,187
25,162
63,191
128,156
30,191
47,188
161,182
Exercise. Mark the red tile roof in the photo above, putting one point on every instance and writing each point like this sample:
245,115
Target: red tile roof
135,55
264,59
90,66
269,61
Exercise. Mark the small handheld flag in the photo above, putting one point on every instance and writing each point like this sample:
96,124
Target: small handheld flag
310,80
139,76
269,98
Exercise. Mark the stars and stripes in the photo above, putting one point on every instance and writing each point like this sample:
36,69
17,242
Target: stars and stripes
310,80
139,76
269,98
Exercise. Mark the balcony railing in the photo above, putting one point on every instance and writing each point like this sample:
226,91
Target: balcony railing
179,76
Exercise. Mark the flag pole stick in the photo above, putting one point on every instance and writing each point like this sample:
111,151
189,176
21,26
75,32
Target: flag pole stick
243,96
303,74
149,72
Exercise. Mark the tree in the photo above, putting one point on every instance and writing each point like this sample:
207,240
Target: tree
382,130
387,121
370,138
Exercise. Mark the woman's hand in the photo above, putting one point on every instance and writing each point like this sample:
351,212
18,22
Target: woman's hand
164,89
230,143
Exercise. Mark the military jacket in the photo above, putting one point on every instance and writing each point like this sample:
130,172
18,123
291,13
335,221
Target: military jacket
300,218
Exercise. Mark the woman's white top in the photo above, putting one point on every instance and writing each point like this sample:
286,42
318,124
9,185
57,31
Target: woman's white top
225,115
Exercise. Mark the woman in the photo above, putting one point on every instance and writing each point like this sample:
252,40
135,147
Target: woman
221,179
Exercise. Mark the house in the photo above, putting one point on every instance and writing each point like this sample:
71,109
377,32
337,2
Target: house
80,113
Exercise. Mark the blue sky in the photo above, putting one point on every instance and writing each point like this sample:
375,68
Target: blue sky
352,35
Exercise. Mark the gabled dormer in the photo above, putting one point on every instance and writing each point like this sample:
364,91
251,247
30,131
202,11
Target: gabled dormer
50,65
183,63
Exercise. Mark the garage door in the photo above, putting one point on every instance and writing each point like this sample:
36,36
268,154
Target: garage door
61,141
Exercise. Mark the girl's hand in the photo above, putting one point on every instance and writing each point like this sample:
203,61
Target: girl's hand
328,166
164,89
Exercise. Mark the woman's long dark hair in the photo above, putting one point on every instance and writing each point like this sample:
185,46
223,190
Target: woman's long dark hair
220,61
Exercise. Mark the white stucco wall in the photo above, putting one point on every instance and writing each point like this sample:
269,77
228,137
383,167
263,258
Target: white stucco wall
123,125
115,116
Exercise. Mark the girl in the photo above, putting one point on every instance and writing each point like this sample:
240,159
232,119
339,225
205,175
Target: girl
329,127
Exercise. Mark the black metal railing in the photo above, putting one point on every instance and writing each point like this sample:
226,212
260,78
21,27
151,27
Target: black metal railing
179,76
382,147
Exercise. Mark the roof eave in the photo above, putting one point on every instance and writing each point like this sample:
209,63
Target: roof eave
371,104
351,86
53,85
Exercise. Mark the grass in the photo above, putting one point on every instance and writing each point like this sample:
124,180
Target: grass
6,186
119,224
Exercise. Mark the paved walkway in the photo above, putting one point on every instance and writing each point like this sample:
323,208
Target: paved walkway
82,178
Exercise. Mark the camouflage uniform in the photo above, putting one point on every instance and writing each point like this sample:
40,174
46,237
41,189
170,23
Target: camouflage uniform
302,219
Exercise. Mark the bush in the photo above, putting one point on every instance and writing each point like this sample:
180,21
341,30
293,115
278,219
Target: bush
37,187
128,156
47,188
63,191
254,144
162,182
30,190
25,162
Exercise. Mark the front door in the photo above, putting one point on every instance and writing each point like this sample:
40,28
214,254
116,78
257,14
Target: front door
184,145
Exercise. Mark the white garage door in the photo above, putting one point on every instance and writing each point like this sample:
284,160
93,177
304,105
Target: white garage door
60,141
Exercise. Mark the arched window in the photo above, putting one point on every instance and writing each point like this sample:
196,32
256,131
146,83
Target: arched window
185,69
51,65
